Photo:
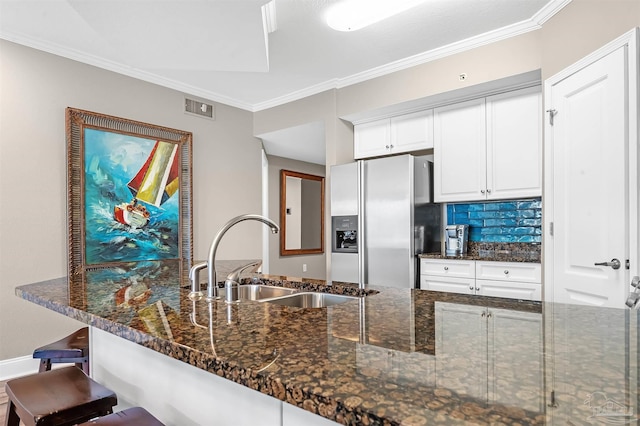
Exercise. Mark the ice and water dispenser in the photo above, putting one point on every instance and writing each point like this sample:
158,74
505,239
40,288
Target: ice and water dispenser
345,234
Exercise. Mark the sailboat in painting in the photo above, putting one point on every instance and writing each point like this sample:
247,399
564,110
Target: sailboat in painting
156,181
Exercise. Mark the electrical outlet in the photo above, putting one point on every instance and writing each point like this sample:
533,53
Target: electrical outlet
304,267
462,77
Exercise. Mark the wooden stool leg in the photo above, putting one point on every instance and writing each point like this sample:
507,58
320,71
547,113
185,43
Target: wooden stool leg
11,418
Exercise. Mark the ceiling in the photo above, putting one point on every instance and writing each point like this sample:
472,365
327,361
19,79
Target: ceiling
229,51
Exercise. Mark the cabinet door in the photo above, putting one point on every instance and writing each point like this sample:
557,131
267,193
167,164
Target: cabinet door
514,144
459,149
448,268
509,271
461,349
371,139
449,285
509,289
412,132
515,359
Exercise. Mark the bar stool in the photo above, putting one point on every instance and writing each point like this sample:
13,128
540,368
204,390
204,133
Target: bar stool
59,397
72,349
131,416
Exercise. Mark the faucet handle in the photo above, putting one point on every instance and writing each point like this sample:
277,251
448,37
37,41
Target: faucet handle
194,276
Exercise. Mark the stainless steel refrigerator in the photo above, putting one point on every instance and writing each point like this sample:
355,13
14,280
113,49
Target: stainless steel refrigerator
383,216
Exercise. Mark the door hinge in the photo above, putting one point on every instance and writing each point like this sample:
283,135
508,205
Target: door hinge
550,228
552,113
552,400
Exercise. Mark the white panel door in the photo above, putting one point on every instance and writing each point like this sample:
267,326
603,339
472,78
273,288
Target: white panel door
459,150
589,173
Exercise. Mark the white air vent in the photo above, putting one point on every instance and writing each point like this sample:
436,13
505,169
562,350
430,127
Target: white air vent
199,108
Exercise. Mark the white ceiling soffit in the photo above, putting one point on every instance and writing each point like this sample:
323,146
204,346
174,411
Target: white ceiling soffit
303,143
222,51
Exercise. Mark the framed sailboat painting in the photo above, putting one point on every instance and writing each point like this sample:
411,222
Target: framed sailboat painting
129,192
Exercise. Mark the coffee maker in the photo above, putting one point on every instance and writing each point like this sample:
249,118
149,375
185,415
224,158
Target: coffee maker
456,238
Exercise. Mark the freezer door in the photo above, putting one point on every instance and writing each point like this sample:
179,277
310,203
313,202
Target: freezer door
344,267
344,189
388,221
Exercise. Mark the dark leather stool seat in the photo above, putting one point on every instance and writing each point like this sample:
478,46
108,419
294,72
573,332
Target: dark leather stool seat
59,397
131,416
72,349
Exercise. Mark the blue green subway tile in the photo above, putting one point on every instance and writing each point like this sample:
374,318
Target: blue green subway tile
500,222
496,230
538,213
526,214
530,204
507,213
529,222
449,210
523,230
476,223
483,215
459,208
460,218
528,239
538,231
500,206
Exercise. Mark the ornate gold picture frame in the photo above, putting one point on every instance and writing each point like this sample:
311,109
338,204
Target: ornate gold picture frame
128,192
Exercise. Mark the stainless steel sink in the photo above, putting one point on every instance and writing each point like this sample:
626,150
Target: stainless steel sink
259,292
311,300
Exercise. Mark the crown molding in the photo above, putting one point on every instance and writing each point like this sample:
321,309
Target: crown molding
532,24
119,68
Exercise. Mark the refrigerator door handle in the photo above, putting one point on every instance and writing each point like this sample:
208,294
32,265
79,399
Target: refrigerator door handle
361,231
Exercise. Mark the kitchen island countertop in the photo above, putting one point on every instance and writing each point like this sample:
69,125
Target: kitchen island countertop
385,359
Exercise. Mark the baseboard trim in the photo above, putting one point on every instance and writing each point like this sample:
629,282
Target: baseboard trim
15,367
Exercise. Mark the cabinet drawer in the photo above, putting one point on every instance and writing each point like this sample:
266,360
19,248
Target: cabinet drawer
509,271
450,285
448,268
509,289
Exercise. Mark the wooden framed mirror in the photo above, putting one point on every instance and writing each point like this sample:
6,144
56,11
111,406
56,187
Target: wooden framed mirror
301,213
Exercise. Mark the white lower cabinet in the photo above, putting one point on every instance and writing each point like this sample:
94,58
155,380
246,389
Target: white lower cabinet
511,280
481,352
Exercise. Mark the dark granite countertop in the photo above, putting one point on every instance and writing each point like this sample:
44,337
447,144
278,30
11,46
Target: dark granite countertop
495,252
395,356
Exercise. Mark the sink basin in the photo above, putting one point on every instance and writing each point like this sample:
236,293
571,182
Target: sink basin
259,292
311,300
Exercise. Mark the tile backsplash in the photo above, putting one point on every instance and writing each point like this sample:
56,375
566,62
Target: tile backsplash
509,221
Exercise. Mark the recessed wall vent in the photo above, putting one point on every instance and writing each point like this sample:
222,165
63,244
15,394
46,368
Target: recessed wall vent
199,108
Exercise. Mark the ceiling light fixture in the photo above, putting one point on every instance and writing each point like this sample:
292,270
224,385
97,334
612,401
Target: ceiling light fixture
352,15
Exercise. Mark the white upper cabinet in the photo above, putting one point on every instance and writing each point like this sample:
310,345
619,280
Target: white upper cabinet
459,152
405,133
489,148
514,144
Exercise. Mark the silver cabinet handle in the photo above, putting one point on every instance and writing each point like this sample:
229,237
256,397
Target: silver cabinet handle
477,288
386,146
391,146
471,287
488,191
482,191
506,272
615,264
446,268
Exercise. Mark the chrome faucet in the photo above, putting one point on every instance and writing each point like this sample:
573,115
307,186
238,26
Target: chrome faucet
212,289
233,280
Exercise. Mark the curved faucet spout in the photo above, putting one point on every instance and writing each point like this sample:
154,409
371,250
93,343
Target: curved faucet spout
212,290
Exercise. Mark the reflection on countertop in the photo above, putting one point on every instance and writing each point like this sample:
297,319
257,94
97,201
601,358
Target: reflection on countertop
395,356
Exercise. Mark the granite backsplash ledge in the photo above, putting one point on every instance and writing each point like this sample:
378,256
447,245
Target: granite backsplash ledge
500,252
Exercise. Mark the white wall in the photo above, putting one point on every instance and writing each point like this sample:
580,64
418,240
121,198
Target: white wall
35,89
